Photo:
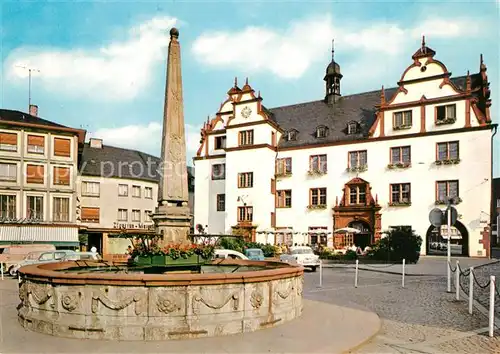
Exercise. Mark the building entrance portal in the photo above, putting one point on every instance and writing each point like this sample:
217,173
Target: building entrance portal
365,237
360,210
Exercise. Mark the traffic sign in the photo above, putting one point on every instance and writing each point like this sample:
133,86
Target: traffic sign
454,216
436,217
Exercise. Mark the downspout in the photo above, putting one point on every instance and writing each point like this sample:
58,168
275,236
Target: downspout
275,187
493,209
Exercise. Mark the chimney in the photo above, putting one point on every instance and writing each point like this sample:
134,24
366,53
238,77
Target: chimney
34,110
96,143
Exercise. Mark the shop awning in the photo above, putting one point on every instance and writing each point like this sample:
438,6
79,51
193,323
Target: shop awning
57,235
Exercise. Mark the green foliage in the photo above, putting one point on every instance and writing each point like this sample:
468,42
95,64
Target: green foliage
350,255
398,245
152,246
238,244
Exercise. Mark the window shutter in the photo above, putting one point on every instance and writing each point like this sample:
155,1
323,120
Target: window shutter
8,138
62,147
90,214
36,140
35,174
61,176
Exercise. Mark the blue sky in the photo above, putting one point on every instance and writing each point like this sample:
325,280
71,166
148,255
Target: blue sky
102,64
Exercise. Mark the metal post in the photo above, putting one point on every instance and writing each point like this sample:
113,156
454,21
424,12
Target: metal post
403,273
492,305
448,211
320,273
18,278
356,275
457,282
1,269
471,288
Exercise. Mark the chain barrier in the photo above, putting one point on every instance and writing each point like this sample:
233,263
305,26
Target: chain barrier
379,267
451,268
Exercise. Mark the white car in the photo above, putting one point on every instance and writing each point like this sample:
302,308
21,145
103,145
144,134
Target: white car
39,258
229,254
301,255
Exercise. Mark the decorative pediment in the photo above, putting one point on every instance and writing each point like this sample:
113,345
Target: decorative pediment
357,193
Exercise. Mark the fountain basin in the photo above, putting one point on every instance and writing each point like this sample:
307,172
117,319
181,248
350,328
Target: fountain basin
97,301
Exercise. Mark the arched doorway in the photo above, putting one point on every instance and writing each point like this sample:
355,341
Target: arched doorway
364,238
437,244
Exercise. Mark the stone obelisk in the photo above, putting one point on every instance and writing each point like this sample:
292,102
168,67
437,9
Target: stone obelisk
172,216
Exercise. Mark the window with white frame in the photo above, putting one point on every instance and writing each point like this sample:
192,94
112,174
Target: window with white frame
357,194
90,189
136,215
8,171
60,209
400,193
358,159
148,192
7,207
122,215
147,215
447,113
402,120
123,190
136,191
34,207
317,196
447,151
446,190
400,154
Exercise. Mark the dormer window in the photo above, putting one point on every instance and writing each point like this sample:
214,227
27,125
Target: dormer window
352,128
291,135
321,131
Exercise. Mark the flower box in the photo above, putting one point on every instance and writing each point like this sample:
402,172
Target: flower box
319,206
446,121
316,172
392,166
169,261
362,168
455,201
283,174
402,127
400,204
447,162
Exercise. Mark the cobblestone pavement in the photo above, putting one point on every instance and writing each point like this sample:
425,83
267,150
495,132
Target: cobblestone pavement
421,318
481,285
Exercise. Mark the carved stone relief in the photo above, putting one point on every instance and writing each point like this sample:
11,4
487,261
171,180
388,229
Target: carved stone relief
234,298
167,304
39,293
256,298
137,299
283,294
70,301
300,286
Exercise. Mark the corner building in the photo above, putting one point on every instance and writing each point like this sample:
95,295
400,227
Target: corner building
371,161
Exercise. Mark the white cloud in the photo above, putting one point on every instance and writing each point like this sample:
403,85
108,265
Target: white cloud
147,138
119,70
290,52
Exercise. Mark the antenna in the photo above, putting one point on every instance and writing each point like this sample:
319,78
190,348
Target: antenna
29,81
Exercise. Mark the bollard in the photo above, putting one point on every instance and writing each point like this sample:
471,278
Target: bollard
320,273
492,305
403,273
1,269
18,278
471,288
457,282
356,274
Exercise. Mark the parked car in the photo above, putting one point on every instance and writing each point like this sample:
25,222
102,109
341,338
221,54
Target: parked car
82,256
10,255
221,253
301,255
39,258
254,254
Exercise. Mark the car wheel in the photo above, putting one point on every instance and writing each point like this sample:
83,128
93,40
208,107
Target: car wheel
313,269
12,271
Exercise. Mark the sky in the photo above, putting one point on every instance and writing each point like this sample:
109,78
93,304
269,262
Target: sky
102,64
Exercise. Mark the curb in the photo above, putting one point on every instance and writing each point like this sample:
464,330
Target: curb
367,340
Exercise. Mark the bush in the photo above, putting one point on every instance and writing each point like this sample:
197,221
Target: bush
398,245
350,255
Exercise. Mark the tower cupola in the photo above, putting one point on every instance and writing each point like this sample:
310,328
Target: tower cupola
332,79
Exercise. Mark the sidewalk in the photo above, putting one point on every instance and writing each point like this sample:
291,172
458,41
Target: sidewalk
322,328
426,266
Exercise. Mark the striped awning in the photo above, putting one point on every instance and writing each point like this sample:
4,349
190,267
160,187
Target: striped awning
45,234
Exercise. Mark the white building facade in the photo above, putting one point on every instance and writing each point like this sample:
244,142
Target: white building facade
372,161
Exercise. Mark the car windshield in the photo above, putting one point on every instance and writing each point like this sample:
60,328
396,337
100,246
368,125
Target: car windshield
254,252
32,256
302,251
